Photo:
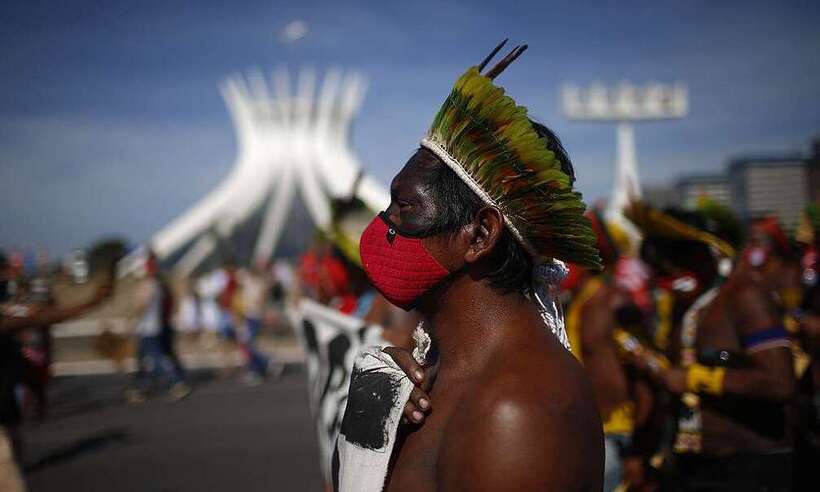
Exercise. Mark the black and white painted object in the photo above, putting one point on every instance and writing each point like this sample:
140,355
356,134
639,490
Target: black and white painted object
331,341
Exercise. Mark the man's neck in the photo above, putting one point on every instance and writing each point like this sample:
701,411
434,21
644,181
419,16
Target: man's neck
469,321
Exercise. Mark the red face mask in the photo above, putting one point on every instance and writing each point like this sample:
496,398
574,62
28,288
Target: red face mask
398,264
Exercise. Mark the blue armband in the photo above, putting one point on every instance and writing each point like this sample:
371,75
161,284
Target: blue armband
772,337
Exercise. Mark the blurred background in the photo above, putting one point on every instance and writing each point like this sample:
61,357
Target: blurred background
183,185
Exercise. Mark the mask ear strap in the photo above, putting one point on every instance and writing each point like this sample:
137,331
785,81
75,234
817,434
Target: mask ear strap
546,278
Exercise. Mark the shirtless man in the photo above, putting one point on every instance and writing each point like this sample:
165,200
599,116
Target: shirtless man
504,406
510,408
505,389
732,366
598,320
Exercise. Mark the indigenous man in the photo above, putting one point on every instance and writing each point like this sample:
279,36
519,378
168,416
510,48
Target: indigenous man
487,197
731,354
151,310
601,323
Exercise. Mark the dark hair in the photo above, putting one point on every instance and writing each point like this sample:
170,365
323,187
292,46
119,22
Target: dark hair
459,205
663,253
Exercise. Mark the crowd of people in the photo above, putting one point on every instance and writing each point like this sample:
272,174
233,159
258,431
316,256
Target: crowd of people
693,335
701,341
225,309
523,343
700,335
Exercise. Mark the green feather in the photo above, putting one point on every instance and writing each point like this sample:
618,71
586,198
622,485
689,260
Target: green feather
493,140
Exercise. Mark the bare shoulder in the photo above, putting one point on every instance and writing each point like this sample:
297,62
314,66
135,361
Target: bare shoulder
743,287
751,304
531,424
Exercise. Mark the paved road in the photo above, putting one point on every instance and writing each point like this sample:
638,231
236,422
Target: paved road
224,437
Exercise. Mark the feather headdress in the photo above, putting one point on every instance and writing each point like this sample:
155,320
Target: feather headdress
489,141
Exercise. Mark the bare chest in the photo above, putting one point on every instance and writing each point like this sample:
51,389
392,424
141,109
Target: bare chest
414,464
715,328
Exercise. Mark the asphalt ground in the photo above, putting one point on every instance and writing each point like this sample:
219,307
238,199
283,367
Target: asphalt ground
225,436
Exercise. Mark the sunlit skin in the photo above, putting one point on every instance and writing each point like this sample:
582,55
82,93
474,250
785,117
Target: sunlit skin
506,407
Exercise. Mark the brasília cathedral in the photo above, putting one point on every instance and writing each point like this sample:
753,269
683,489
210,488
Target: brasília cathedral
294,158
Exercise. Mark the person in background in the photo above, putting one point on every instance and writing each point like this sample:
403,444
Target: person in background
206,289
229,302
12,367
188,317
731,363
37,347
598,317
221,304
253,289
151,310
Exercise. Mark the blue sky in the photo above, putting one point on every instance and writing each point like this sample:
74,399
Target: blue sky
111,121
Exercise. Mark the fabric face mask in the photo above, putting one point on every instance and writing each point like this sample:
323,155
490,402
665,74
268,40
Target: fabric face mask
397,263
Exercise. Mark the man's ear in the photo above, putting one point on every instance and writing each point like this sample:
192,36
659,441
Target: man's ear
486,229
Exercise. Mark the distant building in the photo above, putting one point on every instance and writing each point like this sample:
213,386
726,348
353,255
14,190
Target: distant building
714,186
770,185
659,195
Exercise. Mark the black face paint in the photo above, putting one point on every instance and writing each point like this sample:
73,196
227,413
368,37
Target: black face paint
393,229
412,200
372,396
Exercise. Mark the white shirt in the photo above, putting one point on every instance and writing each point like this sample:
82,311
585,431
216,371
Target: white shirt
149,295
